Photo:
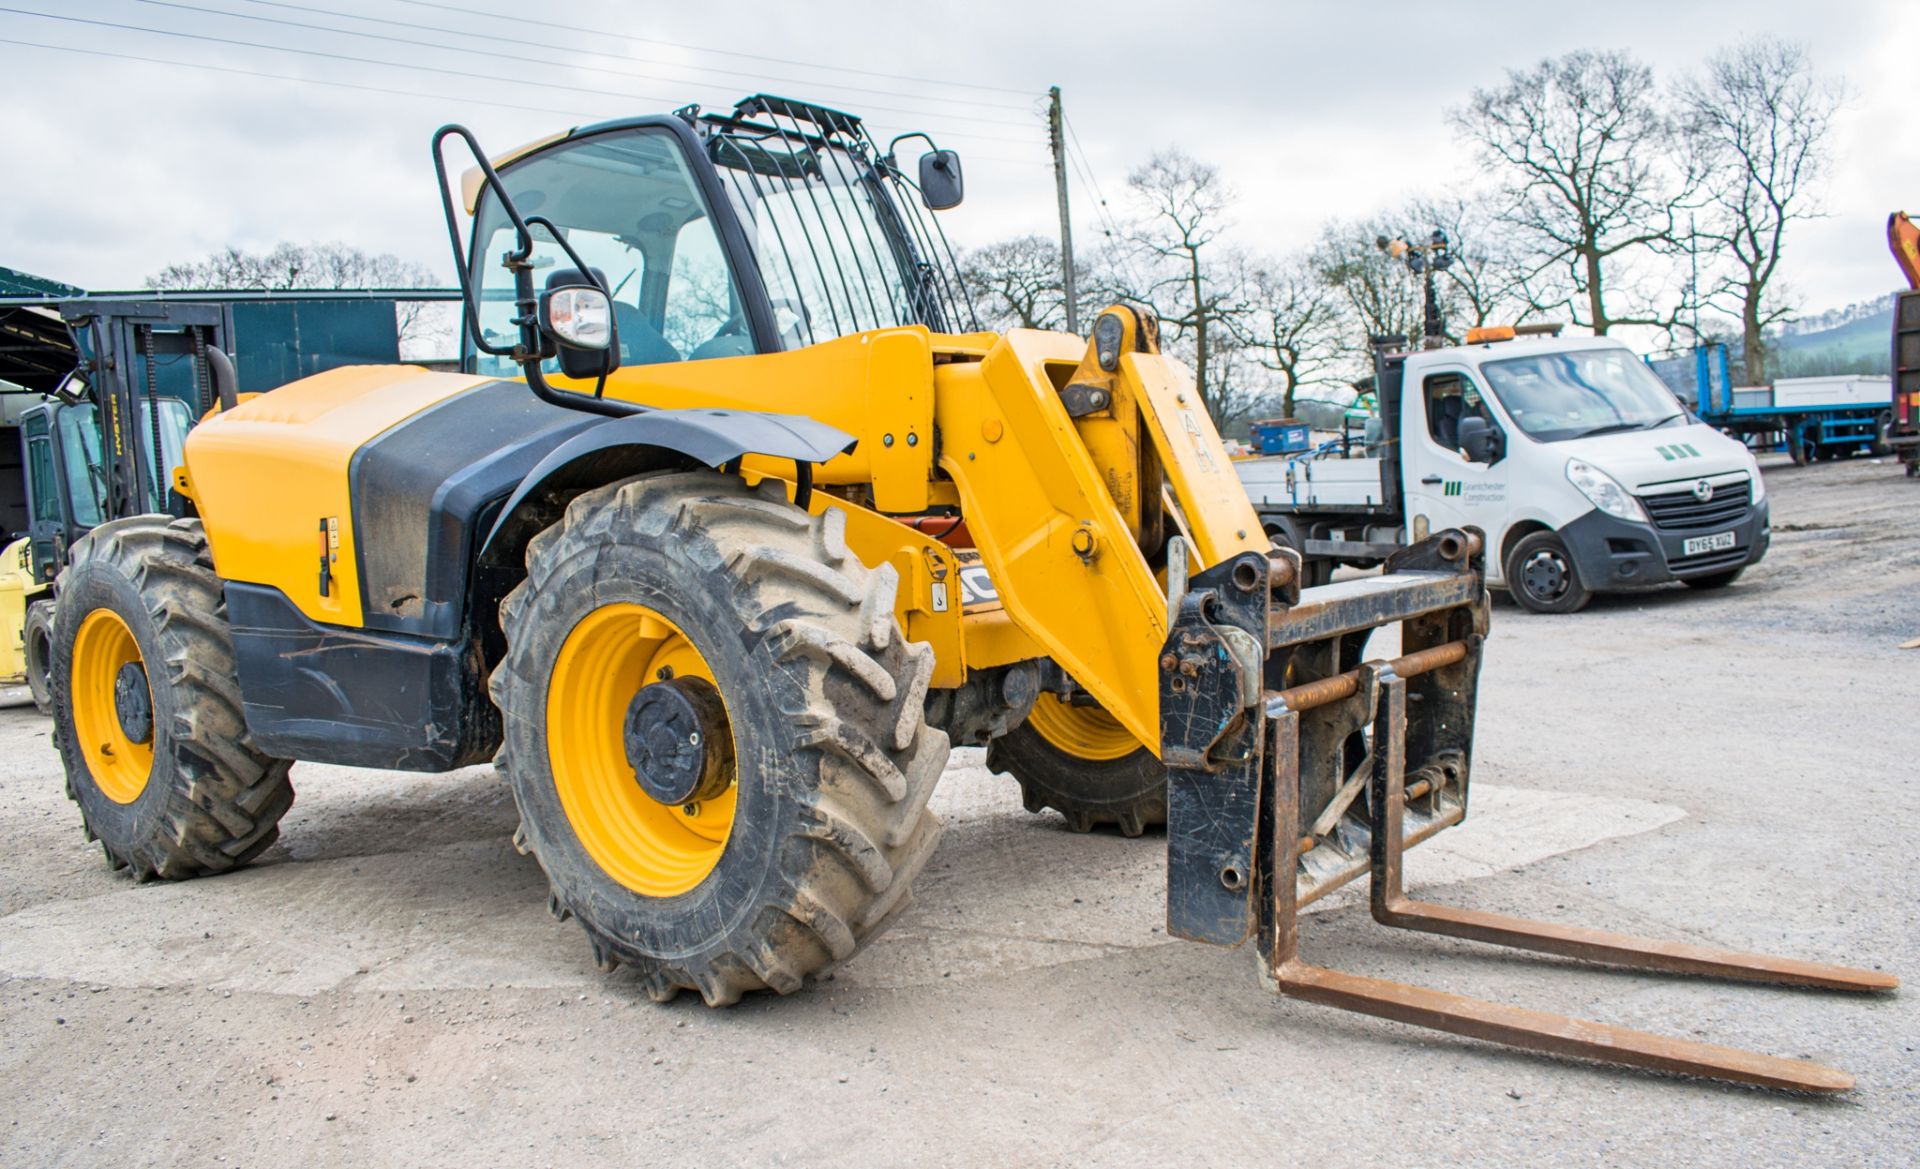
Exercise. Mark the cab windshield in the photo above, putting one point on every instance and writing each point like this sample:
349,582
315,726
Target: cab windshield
631,207
78,432
1558,396
824,223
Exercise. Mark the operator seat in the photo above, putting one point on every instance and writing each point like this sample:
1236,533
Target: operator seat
640,342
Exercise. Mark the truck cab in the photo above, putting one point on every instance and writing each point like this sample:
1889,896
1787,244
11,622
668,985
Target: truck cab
1580,466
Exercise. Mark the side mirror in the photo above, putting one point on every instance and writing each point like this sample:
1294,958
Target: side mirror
578,315
1480,440
941,187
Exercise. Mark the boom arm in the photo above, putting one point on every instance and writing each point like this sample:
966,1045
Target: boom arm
1903,236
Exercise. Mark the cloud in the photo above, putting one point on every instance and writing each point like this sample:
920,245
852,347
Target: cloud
1312,110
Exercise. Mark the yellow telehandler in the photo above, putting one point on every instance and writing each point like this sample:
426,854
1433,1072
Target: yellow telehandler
732,524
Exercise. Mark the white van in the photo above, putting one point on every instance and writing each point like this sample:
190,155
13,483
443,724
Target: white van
1579,465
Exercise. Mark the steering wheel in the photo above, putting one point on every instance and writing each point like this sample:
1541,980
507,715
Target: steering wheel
736,325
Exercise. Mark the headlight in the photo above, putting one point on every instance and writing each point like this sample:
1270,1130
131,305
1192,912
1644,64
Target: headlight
1759,480
580,316
1605,491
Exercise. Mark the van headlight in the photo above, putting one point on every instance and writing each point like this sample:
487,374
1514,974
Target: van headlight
1605,491
1759,480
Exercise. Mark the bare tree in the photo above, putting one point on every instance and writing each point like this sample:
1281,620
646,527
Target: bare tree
1488,281
1016,283
1594,177
1378,294
1292,326
303,266
1759,117
1183,204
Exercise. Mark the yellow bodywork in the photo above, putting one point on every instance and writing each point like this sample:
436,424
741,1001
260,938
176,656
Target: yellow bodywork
1057,505
270,478
654,849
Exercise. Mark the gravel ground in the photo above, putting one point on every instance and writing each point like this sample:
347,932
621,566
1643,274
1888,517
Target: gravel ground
385,987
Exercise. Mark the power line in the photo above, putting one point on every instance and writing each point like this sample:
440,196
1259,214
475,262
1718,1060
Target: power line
495,54
468,10
1084,168
439,97
525,43
319,53
1085,165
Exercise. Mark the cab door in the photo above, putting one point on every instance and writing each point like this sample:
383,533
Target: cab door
46,505
1446,487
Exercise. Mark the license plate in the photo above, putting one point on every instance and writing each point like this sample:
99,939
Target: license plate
1718,542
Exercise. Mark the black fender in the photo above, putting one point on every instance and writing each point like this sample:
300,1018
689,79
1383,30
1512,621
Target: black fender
660,438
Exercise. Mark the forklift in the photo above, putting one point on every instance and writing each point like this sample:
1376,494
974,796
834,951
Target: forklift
100,391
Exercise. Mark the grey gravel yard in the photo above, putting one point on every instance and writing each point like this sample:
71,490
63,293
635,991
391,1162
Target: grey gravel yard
385,987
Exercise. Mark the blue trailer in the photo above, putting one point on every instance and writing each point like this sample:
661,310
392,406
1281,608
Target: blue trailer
1811,419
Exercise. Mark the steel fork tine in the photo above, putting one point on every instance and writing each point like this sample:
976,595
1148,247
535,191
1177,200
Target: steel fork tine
1458,1014
1391,907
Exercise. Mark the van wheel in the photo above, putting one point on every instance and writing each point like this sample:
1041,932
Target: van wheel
1314,571
1542,577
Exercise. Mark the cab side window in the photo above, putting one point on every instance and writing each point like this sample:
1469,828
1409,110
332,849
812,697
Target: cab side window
1451,397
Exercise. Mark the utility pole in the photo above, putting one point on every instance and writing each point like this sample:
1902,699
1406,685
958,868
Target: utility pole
1057,139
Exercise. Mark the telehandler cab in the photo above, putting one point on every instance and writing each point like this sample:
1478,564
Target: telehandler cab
766,526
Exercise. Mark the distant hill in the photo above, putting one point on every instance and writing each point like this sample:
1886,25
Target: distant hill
1854,339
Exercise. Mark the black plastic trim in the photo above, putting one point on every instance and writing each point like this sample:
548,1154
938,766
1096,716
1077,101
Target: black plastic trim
421,488
712,437
356,697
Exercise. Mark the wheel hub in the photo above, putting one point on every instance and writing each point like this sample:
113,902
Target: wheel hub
1544,575
678,742
133,703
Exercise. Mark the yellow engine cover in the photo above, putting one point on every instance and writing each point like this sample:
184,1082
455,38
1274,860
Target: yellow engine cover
270,478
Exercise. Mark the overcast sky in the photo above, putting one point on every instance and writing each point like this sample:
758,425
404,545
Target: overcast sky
116,167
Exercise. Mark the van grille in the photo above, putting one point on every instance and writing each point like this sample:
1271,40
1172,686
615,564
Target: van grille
1680,511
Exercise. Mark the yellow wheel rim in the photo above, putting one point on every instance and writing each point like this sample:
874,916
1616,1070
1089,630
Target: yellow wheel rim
119,765
654,849
1084,732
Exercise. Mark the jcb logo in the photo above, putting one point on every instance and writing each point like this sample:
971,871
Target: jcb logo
1678,450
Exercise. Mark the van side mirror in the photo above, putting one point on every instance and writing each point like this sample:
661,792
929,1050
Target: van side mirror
941,187
1480,440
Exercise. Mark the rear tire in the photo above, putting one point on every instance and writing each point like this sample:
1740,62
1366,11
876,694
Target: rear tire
1128,791
193,797
832,760
1542,577
37,643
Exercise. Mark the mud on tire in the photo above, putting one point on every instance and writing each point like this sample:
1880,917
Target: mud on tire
210,802
825,700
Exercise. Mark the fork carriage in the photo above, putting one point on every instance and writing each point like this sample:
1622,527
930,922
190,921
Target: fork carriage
1296,768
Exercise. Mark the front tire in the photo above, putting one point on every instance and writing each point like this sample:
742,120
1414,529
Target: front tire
1542,576
811,844
146,706
1079,761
